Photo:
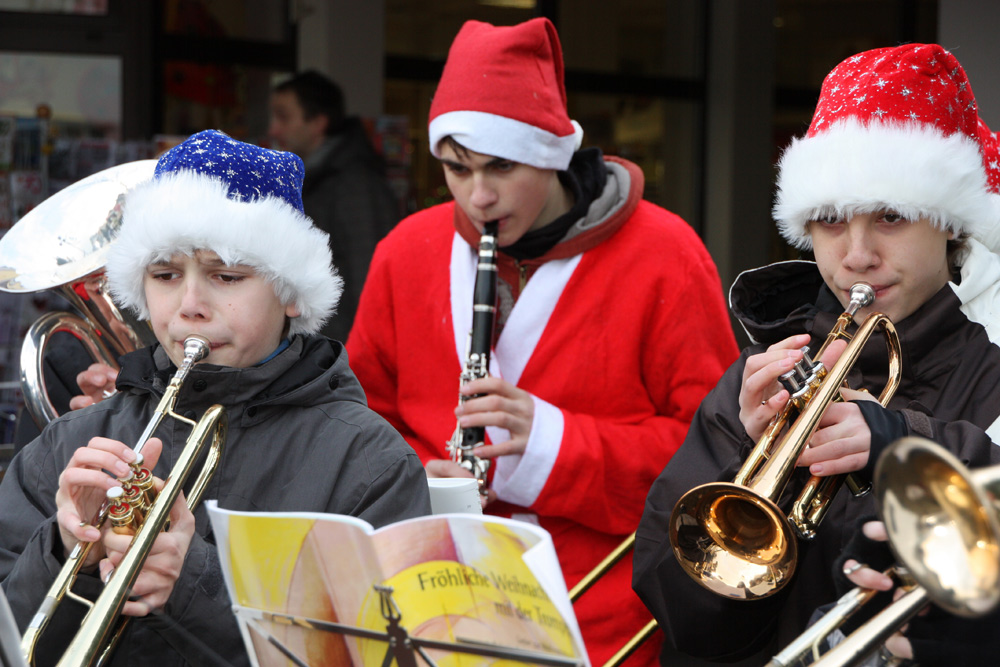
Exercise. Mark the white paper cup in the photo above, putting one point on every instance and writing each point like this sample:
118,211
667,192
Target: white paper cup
451,495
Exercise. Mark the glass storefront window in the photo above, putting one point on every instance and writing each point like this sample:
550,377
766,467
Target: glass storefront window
812,37
83,92
231,98
661,136
420,29
78,7
635,37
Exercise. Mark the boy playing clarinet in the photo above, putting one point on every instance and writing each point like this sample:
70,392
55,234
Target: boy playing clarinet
610,324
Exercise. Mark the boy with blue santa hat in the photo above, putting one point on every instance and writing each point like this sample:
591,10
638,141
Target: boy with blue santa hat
215,245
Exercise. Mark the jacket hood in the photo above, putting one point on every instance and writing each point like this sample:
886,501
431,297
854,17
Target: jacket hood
786,298
777,301
304,374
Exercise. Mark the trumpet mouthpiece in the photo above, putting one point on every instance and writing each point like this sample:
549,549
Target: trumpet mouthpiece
863,294
196,347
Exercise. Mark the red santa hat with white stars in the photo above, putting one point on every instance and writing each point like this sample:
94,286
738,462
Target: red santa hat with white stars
898,129
502,94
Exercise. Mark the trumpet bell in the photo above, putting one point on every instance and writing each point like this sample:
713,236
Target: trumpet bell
942,523
733,541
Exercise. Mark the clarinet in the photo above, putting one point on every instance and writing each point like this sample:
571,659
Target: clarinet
477,364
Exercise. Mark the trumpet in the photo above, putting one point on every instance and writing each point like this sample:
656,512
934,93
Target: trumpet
102,628
943,525
464,441
61,245
732,538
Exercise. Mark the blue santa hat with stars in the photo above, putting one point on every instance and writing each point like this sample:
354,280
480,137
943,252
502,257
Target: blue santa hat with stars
243,202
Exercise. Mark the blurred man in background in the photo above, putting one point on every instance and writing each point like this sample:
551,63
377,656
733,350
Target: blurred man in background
345,190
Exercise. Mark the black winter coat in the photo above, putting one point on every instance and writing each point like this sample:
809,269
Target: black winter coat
950,393
346,194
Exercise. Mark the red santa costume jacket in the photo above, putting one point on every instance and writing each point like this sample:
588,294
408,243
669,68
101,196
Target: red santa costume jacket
619,333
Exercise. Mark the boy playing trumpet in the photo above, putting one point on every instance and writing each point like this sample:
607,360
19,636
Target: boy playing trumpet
895,185
216,244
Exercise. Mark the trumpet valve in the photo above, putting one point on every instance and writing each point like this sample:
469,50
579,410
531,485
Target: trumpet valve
803,376
143,480
121,513
138,488
137,500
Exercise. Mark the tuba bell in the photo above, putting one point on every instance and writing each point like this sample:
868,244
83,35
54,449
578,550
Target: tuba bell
732,538
61,245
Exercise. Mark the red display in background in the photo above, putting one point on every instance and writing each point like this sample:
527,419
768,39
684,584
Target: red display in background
210,85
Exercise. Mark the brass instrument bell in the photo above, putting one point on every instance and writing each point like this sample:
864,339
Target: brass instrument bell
62,245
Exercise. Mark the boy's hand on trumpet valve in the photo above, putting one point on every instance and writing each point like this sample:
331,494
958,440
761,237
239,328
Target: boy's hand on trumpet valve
762,396
83,486
843,440
163,565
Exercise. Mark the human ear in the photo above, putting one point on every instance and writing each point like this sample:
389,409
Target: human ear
291,310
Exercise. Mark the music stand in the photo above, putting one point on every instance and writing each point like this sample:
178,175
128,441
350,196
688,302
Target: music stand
402,648
10,638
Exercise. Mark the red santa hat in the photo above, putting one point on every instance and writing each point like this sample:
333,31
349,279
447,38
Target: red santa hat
990,236
502,94
895,128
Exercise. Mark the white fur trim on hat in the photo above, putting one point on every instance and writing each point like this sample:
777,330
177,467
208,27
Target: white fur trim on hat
185,211
911,169
499,136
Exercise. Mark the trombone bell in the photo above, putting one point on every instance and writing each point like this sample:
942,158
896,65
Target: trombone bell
942,523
